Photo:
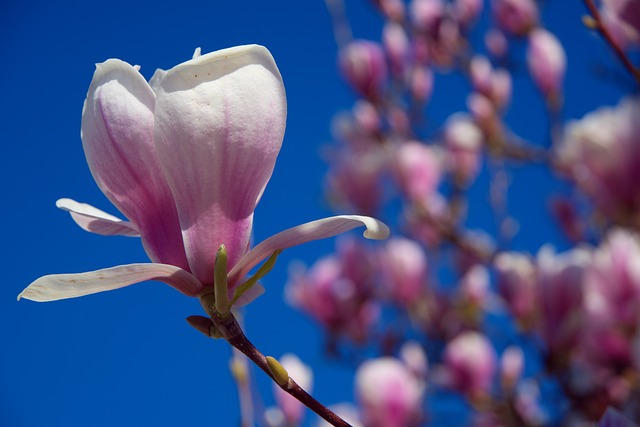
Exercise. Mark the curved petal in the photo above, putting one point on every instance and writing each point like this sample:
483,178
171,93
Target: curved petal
220,121
62,286
314,230
117,136
97,221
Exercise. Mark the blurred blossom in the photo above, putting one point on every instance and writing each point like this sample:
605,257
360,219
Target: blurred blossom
602,153
354,179
547,62
364,67
483,112
466,11
511,366
291,407
423,221
612,299
496,43
561,290
415,359
516,17
470,361
421,83
474,286
366,117
501,87
389,395
392,9
463,142
417,169
426,14
335,292
397,46
481,70
403,266
516,278
622,20
528,403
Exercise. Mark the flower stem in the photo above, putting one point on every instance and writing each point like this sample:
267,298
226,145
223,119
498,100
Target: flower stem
232,332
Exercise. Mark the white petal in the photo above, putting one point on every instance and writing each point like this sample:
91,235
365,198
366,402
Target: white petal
63,286
97,221
314,230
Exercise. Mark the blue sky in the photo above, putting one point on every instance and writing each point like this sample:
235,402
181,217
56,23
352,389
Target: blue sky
128,357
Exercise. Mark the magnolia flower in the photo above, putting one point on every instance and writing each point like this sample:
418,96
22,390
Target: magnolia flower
185,158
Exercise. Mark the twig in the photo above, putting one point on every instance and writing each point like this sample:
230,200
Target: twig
232,332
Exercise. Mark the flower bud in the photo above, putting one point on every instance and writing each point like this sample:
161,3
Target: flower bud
547,62
364,67
516,17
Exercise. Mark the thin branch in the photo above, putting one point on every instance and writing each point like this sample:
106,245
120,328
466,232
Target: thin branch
232,332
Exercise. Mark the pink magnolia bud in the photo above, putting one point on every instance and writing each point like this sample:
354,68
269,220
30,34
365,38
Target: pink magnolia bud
417,169
392,9
481,73
496,43
421,83
501,85
471,363
426,14
397,46
463,141
466,11
511,365
415,359
366,117
389,395
482,110
291,408
475,285
561,293
404,270
364,67
516,277
516,17
547,62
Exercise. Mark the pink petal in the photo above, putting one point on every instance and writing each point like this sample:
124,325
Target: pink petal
97,221
220,121
314,230
117,136
63,286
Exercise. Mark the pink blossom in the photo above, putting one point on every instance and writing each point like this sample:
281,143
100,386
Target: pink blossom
516,277
421,83
291,407
622,19
474,286
602,153
547,62
612,299
496,42
516,17
364,67
403,265
185,158
561,296
470,361
466,11
397,46
389,395
426,14
392,9
336,291
417,169
415,359
463,141
511,365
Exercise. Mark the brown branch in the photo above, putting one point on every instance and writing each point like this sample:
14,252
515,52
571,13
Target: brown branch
232,332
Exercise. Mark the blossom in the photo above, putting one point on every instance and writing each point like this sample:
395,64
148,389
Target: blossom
185,158
471,363
547,62
389,394
516,17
